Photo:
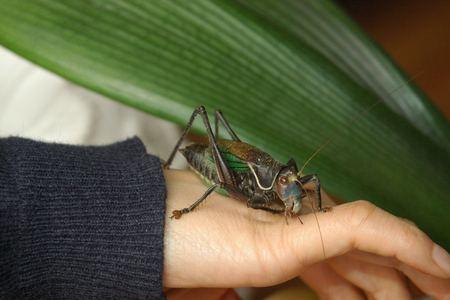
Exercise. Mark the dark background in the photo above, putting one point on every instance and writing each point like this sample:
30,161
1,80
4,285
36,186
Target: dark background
416,33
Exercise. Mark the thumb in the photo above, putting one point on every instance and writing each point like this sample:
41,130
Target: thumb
362,226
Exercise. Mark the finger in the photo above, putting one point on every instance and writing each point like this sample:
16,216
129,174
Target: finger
362,226
376,281
437,287
202,294
327,284
375,259
386,262
430,285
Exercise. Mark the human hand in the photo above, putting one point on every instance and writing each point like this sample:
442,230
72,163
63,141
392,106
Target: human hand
225,244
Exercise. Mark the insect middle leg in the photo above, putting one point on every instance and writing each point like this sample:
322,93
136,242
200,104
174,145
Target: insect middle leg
264,206
276,209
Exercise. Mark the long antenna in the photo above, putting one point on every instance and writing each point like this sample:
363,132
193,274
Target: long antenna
329,140
352,121
315,216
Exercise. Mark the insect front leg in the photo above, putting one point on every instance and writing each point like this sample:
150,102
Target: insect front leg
313,178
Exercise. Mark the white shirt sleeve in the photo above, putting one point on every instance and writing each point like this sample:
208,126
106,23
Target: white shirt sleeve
37,104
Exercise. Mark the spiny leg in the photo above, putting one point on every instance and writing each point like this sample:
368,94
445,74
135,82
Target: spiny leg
180,140
178,213
231,190
263,206
223,173
220,117
313,178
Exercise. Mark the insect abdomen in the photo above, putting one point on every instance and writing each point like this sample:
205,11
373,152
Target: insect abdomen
199,157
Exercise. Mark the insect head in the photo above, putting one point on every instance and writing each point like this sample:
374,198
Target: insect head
288,188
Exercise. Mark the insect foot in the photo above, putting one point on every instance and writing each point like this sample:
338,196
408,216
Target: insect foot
326,209
176,214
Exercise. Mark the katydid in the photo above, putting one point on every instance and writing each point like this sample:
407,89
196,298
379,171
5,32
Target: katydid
244,172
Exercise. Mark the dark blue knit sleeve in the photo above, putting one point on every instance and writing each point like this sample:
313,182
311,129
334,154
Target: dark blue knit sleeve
80,222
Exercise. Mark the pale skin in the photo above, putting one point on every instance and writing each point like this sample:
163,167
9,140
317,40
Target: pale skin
223,244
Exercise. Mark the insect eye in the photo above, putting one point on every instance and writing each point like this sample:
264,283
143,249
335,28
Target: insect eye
283,180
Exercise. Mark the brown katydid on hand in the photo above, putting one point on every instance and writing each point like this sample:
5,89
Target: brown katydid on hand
244,172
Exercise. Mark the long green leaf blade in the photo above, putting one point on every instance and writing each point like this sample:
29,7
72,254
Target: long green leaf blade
279,92
328,30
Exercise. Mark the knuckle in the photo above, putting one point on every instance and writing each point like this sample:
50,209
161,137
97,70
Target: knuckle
360,212
411,234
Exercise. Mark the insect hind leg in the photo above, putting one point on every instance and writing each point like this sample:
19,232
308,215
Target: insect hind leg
224,175
178,213
223,172
212,141
180,140
218,116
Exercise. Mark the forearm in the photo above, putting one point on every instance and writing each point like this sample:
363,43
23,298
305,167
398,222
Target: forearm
80,222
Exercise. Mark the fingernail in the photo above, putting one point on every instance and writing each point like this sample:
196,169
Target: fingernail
441,258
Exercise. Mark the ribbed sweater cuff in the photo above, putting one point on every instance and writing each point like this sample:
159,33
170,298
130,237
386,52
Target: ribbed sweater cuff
80,222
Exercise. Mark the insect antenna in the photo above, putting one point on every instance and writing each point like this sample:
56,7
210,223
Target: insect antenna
352,122
318,226
315,216
330,139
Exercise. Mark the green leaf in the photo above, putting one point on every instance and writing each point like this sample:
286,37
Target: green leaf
287,74
326,29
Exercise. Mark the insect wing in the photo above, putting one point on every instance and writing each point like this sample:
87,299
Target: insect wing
245,157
